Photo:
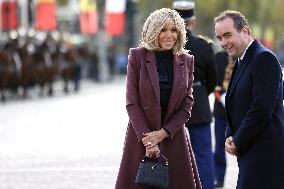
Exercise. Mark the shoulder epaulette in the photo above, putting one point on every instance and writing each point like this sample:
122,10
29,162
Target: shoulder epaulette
205,38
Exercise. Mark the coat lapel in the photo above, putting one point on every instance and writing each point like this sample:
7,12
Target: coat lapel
153,74
242,67
178,84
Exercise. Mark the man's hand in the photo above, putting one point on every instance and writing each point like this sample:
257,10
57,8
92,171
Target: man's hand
231,147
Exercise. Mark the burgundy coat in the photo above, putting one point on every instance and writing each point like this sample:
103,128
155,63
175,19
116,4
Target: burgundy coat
144,111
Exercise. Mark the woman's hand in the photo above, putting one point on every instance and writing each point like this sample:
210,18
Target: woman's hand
154,138
153,152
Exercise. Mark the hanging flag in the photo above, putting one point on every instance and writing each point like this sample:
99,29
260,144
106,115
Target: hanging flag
88,17
115,11
46,15
9,15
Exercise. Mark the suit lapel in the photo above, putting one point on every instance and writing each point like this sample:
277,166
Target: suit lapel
153,74
178,84
242,67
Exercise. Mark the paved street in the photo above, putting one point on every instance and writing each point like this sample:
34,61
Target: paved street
70,141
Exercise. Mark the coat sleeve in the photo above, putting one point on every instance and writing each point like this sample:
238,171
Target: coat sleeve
183,113
228,131
266,81
134,110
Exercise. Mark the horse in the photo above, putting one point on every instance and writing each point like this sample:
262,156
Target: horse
45,68
69,68
10,71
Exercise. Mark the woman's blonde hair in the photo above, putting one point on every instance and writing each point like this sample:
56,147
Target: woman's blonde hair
155,23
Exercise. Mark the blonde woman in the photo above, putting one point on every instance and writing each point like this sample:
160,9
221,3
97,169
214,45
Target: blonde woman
159,101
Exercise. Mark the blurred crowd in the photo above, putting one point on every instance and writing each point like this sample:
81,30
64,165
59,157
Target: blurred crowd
37,60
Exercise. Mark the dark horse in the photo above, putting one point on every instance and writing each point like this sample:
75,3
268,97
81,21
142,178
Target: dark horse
69,68
10,70
45,68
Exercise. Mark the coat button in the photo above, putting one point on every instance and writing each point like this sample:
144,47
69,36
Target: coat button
146,108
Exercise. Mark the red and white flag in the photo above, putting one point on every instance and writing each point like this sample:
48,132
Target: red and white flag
46,15
9,15
88,17
115,13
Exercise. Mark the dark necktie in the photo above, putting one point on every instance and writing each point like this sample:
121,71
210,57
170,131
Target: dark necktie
237,65
235,71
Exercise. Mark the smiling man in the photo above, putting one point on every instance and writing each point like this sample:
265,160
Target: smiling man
254,106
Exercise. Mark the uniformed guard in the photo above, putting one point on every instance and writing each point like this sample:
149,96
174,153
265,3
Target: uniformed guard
204,83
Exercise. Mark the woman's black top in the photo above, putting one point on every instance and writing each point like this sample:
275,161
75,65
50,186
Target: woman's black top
164,62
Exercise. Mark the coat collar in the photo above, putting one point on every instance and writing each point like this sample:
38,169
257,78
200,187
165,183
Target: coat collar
152,70
178,83
242,66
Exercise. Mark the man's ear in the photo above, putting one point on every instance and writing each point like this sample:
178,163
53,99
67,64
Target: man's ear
246,30
193,21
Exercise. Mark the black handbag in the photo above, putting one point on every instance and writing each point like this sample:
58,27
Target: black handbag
153,172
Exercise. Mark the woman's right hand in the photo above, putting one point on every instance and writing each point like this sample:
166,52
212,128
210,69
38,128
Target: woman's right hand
152,152
153,138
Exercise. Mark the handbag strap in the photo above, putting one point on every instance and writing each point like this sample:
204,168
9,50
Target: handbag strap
165,158
162,156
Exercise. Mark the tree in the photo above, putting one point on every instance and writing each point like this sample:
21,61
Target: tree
62,2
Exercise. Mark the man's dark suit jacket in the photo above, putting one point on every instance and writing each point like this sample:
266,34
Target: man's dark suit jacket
254,106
